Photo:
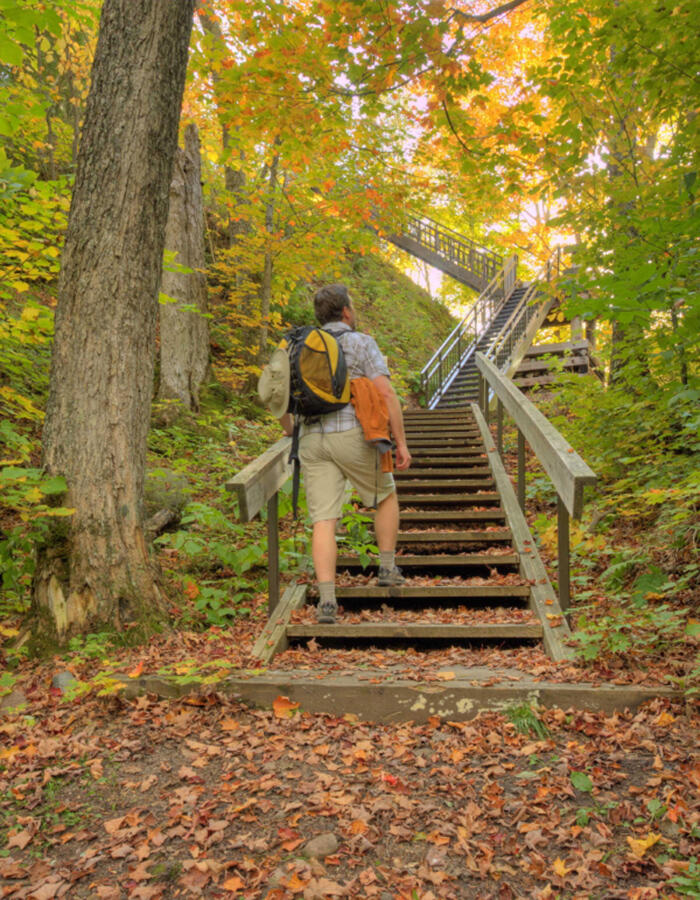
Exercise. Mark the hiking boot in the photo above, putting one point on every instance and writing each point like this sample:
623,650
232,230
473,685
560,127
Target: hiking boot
326,613
390,577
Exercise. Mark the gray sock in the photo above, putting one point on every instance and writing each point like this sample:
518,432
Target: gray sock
387,559
326,591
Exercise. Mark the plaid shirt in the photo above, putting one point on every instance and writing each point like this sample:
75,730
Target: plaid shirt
363,358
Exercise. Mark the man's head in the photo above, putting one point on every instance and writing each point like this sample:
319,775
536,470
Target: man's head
332,303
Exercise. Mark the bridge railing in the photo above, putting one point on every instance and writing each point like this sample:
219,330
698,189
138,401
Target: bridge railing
455,247
443,366
517,333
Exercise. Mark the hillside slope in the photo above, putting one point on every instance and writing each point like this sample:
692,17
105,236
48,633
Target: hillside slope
407,324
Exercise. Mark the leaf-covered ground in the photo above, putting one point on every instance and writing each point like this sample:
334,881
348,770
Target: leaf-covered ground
101,798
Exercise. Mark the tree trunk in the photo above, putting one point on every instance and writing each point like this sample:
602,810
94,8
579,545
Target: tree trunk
266,284
184,333
95,572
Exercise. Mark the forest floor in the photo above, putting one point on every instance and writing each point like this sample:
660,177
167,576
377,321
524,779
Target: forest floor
107,798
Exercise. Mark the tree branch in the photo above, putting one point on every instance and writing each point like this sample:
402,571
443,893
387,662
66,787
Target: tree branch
454,132
486,17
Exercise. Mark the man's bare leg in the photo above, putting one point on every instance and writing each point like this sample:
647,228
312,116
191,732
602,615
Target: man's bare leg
324,552
386,523
386,526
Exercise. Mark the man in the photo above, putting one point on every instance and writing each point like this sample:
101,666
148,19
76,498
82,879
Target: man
333,448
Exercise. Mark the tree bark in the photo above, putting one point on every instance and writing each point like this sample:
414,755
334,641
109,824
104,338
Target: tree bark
95,572
266,284
184,332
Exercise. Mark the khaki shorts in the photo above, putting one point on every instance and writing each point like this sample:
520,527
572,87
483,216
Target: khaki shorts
328,459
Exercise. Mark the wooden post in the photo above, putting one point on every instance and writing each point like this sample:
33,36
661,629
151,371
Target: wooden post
480,392
273,554
563,554
499,421
521,470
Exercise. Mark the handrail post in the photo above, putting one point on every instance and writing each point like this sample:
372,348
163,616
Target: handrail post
499,424
521,470
273,553
563,574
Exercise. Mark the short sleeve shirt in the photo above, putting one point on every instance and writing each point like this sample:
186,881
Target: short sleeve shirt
363,358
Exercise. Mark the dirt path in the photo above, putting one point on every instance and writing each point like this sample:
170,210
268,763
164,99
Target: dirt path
155,799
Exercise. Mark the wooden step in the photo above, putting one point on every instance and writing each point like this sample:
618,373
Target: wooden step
455,560
426,462
446,484
450,455
429,434
439,537
427,472
436,443
415,631
475,499
435,592
442,515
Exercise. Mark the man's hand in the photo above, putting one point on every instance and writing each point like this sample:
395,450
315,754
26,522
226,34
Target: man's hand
403,457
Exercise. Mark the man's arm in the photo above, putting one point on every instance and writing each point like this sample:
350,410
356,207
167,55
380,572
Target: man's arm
287,423
386,389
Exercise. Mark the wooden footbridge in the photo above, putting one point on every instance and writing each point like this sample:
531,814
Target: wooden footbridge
474,575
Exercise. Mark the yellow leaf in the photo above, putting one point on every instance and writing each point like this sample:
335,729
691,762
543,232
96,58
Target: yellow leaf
29,313
445,676
8,632
559,867
640,846
665,719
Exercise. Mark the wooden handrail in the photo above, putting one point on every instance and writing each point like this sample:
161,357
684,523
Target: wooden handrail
257,485
569,473
260,480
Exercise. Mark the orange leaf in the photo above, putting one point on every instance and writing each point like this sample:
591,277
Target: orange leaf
137,671
359,826
234,883
284,708
445,676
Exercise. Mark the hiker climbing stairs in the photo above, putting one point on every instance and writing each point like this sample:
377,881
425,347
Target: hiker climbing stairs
454,547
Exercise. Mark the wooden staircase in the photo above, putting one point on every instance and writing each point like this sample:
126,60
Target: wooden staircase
464,387
464,580
541,363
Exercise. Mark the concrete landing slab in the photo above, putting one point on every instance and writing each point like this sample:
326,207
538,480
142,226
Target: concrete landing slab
459,694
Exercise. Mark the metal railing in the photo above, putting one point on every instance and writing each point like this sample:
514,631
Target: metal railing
443,366
504,344
454,247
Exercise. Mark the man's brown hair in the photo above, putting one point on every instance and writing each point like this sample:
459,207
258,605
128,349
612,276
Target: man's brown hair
329,302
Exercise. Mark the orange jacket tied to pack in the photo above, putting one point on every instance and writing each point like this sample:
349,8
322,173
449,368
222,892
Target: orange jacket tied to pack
372,412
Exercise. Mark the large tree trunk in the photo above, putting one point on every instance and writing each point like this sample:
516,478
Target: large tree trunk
96,571
184,333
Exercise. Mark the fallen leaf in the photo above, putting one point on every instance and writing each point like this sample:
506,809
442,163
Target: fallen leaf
135,672
284,708
560,867
234,883
639,846
445,676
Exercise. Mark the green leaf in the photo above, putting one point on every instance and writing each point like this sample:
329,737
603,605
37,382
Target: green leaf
581,782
